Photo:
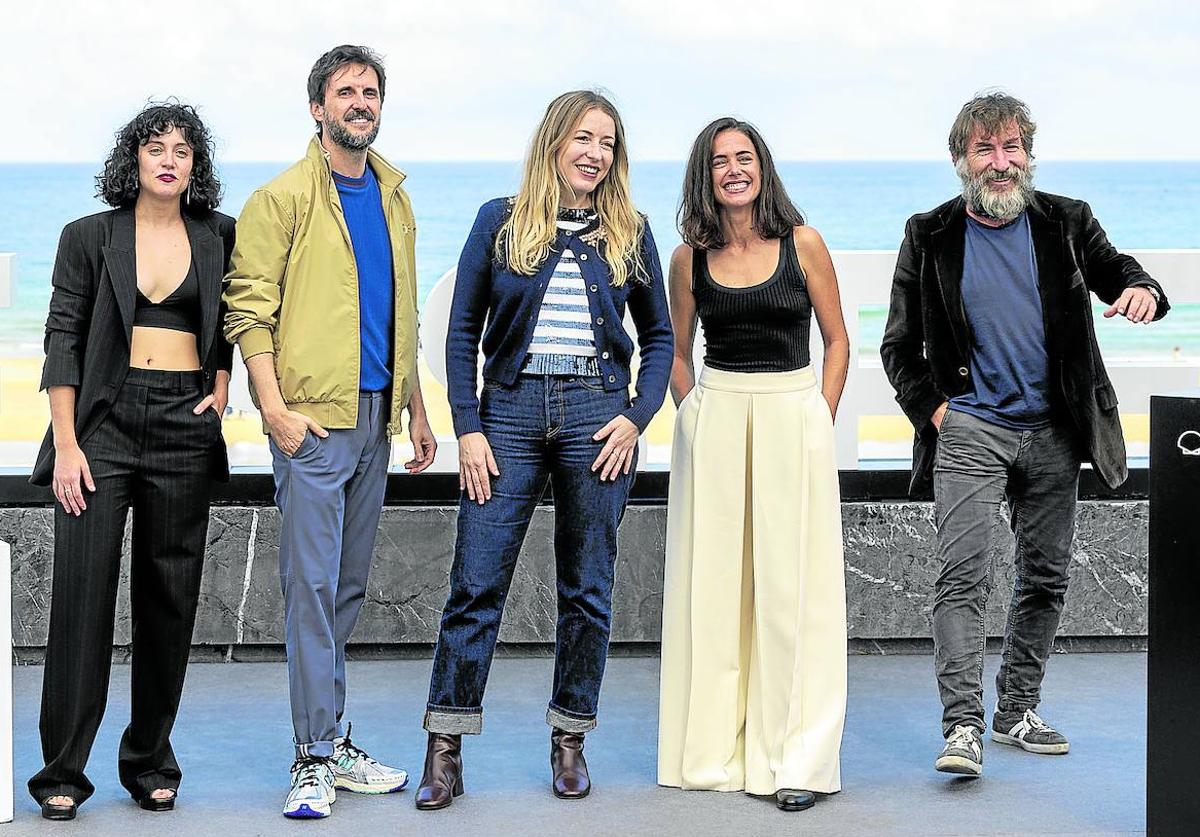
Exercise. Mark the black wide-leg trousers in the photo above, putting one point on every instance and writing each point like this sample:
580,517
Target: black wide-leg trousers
151,454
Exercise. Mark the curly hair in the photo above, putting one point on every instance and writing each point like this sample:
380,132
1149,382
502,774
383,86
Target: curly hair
118,184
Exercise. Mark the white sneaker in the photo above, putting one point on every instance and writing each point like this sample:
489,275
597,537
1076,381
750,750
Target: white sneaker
312,794
355,771
963,753
1029,732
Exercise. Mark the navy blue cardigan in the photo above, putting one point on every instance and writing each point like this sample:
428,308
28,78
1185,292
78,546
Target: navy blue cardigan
501,307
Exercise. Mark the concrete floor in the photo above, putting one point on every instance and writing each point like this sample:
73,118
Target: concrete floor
233,742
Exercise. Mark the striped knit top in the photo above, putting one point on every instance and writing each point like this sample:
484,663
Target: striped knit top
762,328
563,343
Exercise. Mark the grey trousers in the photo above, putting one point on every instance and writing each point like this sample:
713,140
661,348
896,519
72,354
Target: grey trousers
330,495
979,464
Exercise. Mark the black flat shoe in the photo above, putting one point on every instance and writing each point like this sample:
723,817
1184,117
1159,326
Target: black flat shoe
58,812
149,803
794,800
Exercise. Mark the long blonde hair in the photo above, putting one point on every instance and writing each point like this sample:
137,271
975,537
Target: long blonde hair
524,240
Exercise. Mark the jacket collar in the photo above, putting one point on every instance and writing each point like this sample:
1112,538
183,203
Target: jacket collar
948,243
389,176
1046,228
120,257
208,252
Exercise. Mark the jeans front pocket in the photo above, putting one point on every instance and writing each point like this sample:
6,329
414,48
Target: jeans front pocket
594,384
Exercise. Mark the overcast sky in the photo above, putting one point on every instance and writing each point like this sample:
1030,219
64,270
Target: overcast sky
468,79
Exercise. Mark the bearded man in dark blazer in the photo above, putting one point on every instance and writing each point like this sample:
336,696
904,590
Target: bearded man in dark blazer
991,348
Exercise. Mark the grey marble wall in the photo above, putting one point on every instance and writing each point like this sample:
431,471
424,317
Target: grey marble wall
890,568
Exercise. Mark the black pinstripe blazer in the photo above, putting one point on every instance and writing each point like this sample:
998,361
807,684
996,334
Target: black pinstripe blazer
90,326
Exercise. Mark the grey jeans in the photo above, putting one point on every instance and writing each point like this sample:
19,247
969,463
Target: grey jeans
979,464
330,495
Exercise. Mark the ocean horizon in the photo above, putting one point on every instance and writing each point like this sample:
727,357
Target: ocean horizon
856,205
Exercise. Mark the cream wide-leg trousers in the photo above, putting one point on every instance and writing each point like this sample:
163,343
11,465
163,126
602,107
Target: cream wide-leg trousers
753,693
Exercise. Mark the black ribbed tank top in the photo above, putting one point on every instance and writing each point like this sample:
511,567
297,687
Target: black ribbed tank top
762,328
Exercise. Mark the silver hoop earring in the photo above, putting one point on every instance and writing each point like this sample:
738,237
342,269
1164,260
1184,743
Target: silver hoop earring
188,197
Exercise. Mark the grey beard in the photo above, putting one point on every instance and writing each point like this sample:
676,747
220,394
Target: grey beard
351,142
999,206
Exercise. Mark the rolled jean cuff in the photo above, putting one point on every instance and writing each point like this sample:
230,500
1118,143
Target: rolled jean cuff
556,717
447,720
314,750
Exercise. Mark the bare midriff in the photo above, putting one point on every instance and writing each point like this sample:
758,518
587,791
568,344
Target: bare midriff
163,348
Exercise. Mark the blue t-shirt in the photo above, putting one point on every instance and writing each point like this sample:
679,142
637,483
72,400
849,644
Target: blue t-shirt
1009,365
362,207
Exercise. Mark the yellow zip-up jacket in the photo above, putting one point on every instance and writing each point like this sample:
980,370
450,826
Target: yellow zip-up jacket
292,289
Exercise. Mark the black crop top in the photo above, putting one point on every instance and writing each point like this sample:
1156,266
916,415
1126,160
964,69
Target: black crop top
762,328
179,312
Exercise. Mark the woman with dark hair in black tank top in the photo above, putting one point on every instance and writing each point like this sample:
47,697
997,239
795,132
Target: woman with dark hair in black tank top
753,693
137,374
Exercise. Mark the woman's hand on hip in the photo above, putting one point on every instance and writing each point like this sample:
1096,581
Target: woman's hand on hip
210,401
219,397
475,464
71,474
616,457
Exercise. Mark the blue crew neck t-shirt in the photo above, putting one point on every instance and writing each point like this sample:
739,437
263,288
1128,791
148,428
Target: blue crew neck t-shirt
362,207
1009,365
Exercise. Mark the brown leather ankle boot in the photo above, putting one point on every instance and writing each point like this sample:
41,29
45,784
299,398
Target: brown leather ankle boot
571,779
442,779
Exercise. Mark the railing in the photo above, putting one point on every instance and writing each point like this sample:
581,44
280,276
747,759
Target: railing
871,433
865,280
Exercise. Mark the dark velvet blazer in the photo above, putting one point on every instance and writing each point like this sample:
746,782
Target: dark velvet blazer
90,326
926,346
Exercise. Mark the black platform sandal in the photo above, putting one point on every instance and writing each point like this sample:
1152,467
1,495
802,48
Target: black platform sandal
51,811
150,803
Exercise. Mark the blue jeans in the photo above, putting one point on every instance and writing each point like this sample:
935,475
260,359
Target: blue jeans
978,465
540,427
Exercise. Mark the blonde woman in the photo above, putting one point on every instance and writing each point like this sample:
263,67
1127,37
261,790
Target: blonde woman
550,273
753,693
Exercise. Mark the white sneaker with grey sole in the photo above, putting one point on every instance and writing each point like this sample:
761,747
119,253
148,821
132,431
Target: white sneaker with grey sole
355,771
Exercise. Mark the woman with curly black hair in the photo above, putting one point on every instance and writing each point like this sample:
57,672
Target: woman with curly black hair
138,377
